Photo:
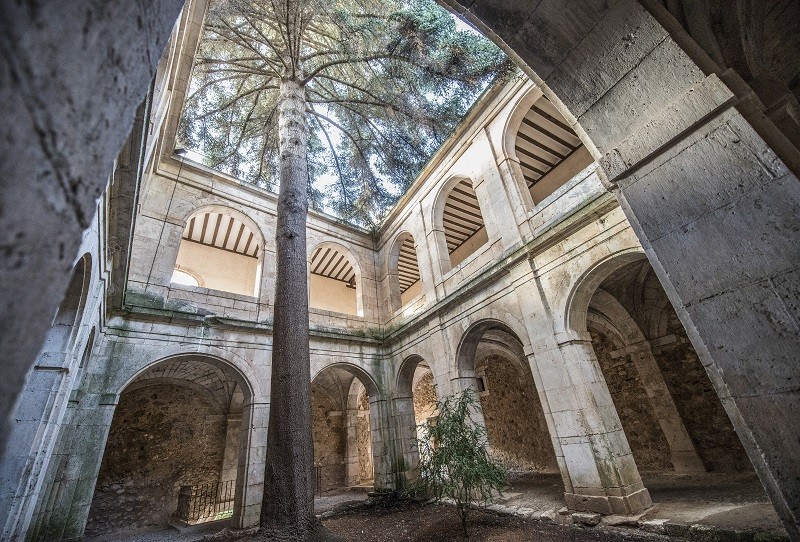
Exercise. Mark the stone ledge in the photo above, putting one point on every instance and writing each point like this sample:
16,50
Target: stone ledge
692,532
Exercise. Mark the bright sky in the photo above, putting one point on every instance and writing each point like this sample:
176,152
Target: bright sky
324,181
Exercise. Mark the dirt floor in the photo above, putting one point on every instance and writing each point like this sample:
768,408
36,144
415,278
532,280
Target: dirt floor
440,523
727,501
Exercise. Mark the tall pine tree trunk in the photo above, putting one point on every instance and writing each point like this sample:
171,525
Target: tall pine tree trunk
289,482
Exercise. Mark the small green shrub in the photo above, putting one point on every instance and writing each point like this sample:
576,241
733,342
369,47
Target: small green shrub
454,462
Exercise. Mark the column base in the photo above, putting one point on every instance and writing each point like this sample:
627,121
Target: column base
627,505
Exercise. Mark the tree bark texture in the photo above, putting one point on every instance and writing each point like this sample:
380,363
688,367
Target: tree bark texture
288,505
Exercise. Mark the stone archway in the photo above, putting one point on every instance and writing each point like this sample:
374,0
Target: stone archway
414,403
654,373
174,448
346,415
402,268
492,354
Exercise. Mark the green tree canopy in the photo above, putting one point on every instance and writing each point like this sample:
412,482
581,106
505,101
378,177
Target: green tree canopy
386,82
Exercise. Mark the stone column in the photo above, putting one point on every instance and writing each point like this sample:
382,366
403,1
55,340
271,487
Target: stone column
593,453
34,431
436,248
352,470
681,448
598,457
717,213
250,472
497,210
37,421
64,507
407,462
233,440
382,445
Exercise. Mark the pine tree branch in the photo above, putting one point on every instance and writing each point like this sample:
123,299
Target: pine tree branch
341,177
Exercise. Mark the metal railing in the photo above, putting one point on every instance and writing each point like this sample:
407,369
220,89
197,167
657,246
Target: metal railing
207,502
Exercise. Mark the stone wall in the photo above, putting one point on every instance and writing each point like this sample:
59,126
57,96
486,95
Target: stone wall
329,434
711,430
648,443
163,436
364,440
518,435
424,398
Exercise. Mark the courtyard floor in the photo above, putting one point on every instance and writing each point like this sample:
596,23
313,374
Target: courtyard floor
725,502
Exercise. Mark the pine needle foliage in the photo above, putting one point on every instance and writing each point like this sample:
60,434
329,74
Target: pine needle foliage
454,462
386,82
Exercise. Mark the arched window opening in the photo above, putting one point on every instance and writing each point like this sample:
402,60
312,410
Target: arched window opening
408,271
464,228
549,151
60,338
404,278
334,281
342,431
424,397
219,251
173,449
184,278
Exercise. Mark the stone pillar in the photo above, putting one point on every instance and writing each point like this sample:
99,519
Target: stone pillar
407,455
427,274
64,507
497,210
599,461
592,451
436,248
352,470
230,456
717,213
383,447
518,195
252,462
681,448
37,420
